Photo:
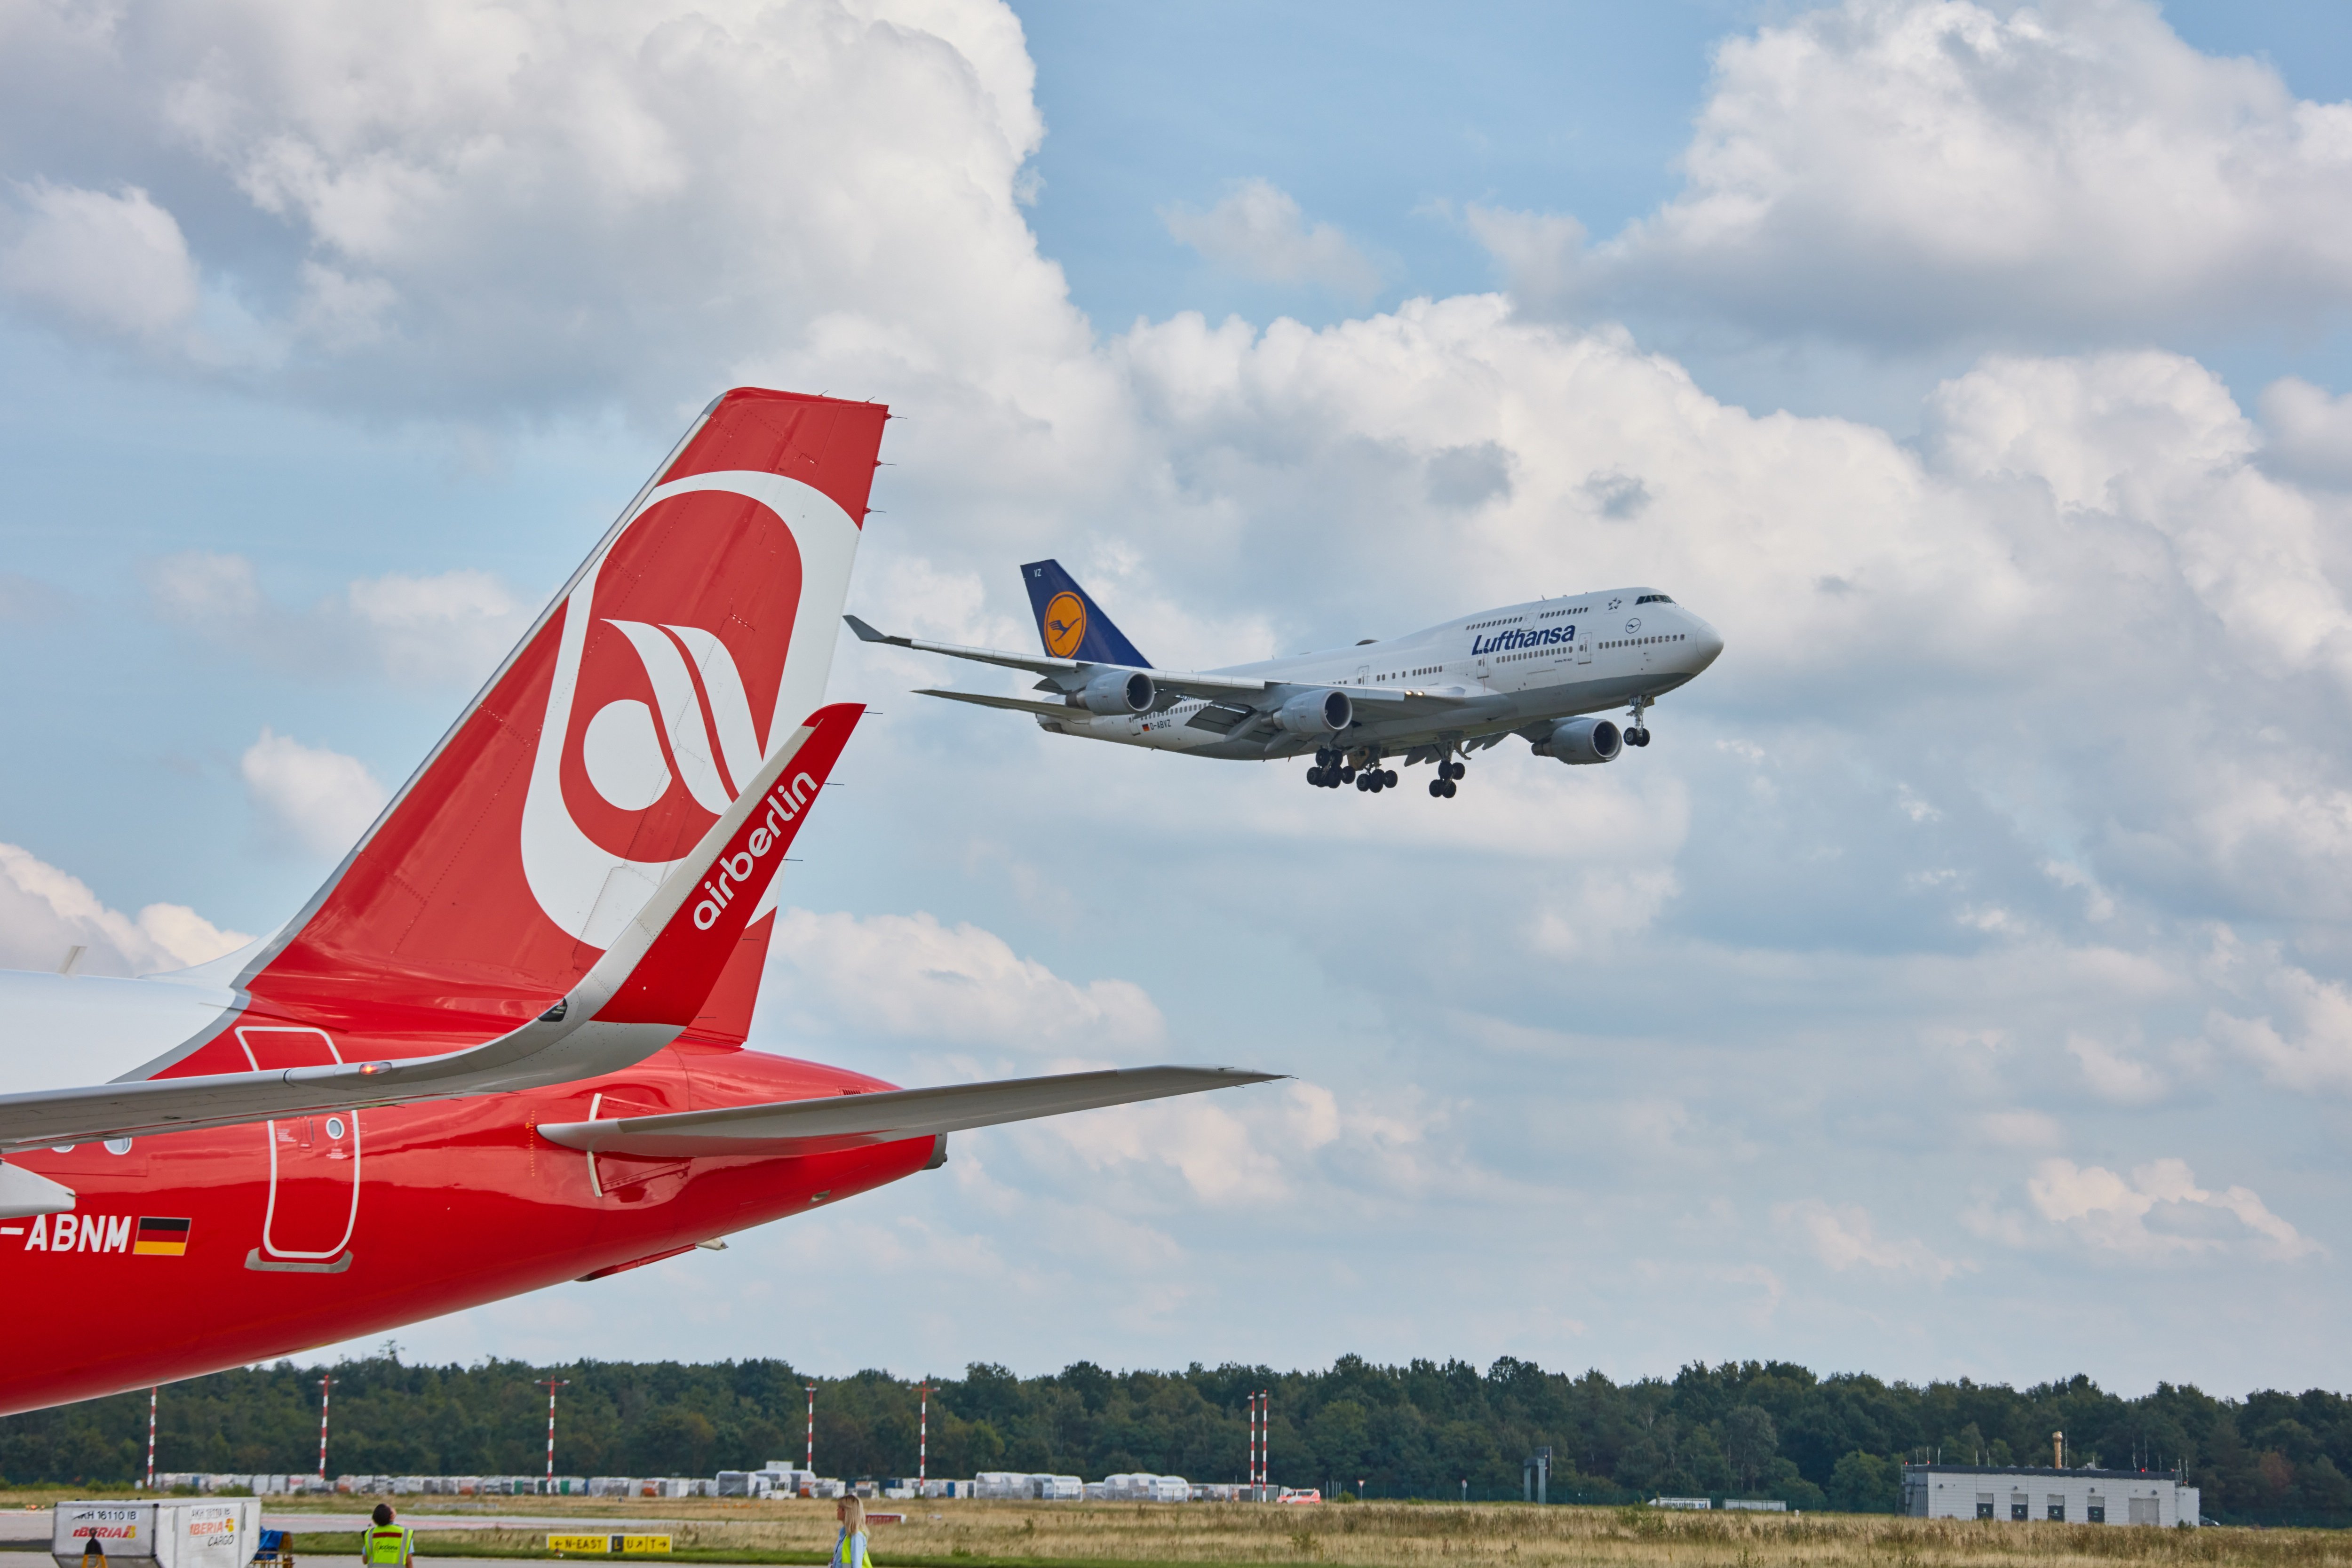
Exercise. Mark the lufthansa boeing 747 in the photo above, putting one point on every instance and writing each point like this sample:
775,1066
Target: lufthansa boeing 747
1538,670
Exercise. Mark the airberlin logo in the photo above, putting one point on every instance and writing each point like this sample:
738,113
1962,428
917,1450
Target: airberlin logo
621,751
1503,642
785,802
691,726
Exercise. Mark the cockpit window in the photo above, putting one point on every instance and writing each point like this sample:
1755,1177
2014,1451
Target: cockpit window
1655,599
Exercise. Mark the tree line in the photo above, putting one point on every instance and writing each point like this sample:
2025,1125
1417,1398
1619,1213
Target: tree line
1423,1430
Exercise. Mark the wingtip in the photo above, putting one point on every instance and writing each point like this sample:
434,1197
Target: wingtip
865,632
1244,1074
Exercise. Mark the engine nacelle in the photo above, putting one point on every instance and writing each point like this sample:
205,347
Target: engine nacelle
1118,691
1315,714
1575,740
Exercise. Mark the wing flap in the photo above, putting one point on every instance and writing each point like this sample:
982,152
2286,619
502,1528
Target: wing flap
854,1120
1222,718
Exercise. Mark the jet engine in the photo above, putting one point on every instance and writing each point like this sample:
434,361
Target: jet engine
1315,714
1118,691
1574,740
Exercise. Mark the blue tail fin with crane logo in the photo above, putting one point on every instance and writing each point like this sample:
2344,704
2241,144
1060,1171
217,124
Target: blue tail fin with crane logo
1069,622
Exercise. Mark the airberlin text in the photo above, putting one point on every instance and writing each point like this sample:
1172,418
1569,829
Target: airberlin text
1503,642
784,803
80,1233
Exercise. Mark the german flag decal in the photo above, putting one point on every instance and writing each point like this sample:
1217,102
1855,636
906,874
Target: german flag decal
160,1238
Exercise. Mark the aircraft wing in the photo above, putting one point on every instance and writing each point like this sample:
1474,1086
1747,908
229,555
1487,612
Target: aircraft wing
1011,704
851,1121
1068,673
1242,720
638,997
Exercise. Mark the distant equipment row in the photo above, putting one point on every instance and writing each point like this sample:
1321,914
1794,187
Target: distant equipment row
779,1478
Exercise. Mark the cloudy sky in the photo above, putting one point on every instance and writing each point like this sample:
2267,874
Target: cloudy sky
1962,983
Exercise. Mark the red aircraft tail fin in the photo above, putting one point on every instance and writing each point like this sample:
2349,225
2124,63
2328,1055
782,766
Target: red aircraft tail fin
694,641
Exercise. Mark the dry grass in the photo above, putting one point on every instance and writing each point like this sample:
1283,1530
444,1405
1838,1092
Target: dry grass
1378,1535
1386,1535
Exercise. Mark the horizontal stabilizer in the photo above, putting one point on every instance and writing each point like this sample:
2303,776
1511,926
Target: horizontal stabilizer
854,1120
638,997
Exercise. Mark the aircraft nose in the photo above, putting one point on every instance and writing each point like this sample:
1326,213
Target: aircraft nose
1705,642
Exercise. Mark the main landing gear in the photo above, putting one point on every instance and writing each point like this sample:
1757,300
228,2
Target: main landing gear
1333,768
1362,767
1637,733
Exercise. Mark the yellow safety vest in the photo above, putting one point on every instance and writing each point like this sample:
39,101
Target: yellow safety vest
849,1552
388,1544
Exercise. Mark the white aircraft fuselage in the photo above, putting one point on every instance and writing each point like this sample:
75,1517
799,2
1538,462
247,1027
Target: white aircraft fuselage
1507,670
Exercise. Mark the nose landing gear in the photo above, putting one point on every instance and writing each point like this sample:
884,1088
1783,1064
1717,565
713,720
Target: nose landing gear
1637,733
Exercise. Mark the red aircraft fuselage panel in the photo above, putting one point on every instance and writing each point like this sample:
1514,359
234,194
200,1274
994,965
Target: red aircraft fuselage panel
447,1206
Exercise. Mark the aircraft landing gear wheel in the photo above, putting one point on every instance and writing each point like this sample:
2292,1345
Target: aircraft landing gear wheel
1437,789
1451,771
1639,737
1390,778
1347,775
1315,777
1450,787
1363,783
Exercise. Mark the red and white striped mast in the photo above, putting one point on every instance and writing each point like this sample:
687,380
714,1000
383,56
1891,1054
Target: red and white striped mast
326,1387
552,1384
809,1464
923,1438
1264,1440
151,1438
1257,1495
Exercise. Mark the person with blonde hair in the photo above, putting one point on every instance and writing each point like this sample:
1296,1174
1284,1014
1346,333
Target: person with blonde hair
849,1552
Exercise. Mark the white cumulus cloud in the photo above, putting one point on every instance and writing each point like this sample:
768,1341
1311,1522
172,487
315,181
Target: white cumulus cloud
113,262
2160,1212
2310,432
452,627
1258,231
463,208
448,628
913,977
45,913
310,798
1843,1236
1908,169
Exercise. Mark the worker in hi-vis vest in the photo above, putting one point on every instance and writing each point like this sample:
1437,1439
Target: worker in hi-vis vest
849,1552
388,1545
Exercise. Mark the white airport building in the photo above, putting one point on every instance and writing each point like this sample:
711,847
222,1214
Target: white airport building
2016,1494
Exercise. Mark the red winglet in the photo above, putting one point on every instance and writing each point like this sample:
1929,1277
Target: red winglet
674,978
